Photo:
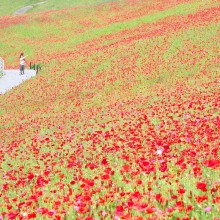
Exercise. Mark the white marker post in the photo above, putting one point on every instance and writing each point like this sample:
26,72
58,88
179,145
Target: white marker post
2,66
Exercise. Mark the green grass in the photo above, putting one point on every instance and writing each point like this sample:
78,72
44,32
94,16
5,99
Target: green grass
7,8
56,4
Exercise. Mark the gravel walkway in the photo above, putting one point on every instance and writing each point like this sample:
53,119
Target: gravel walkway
27,8
12,78
23,10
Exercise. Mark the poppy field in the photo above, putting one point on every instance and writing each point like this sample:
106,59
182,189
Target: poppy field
122,121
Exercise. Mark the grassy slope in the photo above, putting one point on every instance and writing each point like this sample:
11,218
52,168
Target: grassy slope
109,75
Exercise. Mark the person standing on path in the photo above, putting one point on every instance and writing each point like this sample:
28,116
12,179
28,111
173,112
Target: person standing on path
22,63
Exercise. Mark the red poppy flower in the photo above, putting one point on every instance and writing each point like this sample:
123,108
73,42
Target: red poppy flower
150,210
201,198
181,191
105,177
104,162
212,163
189,208
119,211
31,215
201,186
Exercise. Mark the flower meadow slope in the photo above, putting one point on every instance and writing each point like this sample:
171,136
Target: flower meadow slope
123,121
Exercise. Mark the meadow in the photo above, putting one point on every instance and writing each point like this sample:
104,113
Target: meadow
123,120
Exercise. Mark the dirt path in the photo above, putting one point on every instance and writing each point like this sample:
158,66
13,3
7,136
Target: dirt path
27,8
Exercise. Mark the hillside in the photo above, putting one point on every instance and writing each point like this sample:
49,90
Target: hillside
123,120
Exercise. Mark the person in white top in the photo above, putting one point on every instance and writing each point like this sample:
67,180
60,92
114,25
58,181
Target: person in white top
22,63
